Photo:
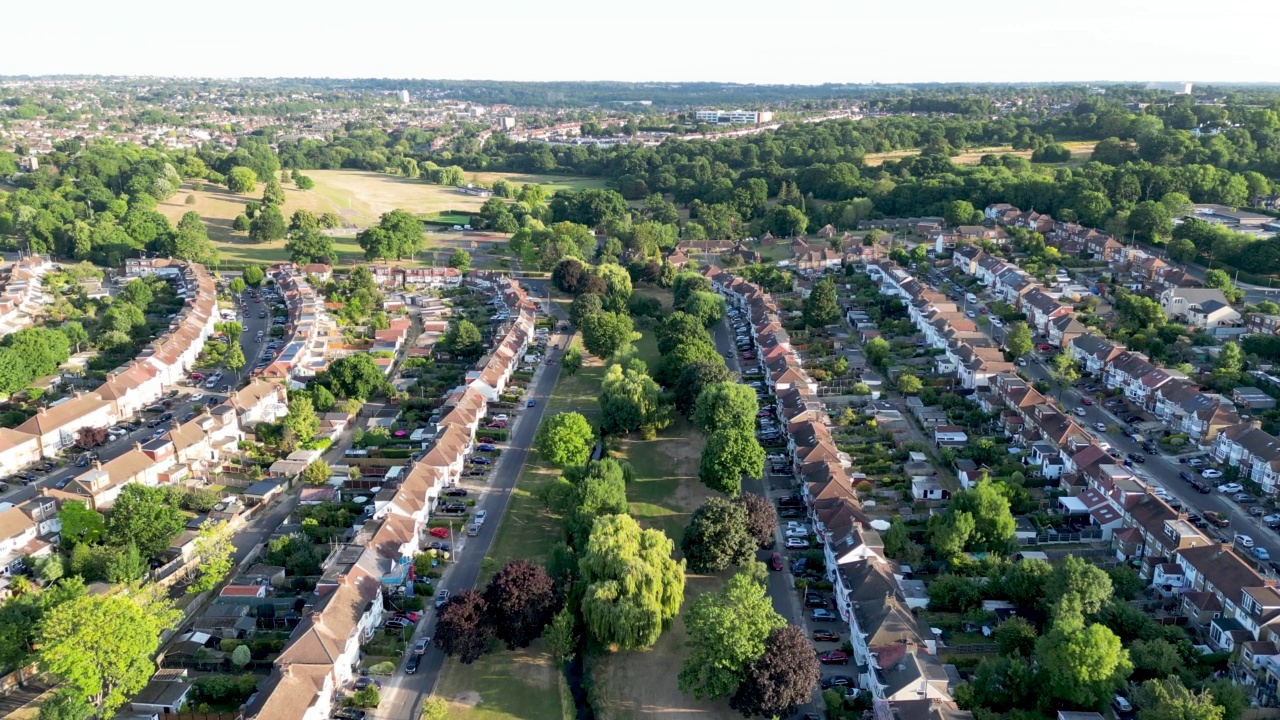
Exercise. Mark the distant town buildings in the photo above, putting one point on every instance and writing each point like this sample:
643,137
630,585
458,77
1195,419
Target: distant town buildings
733,117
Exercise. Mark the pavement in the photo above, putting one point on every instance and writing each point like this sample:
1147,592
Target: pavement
402,694
781,585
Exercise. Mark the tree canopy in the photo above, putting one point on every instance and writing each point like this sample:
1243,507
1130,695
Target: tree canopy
632,588
727,632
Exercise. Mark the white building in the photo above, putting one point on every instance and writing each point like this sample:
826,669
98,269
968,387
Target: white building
733,117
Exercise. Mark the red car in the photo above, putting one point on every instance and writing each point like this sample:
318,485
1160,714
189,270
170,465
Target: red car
1085,401
197,376
487,440
439,532
776,561
1044,347
834,657
500,425
410,616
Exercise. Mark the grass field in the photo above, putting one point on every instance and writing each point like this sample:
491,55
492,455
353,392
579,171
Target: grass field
358,197
1080,152
505,685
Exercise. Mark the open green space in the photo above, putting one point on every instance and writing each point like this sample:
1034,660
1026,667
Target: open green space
523,685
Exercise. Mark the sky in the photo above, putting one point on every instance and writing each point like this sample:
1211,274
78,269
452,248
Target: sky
746,41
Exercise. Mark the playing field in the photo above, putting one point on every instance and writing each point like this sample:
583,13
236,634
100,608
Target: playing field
358,197
1080,152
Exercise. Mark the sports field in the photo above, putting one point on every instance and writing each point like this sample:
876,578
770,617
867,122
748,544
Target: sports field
1080,152
358,197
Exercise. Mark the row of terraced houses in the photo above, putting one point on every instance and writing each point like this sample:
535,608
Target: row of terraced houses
1214,588
894,654
323,652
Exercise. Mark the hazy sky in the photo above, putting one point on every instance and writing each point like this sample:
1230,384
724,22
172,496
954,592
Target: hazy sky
750,41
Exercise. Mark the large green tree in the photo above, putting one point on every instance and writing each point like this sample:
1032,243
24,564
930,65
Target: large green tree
632,588
726,406
146,517
604,333
397,235
993,521
727,631
101,645
1168,699
1083,664
694,378
728,455
717,536
821,308
241,180
629,399
310,245
565,439
1017,339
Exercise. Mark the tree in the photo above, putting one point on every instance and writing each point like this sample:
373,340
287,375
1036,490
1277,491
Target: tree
571,363
694,378
1229,695
241,180
632,588
310,246
91,437
253,276
726,406
211,553
80,523
234,358
463,627
617,282
241,223
600,489
993,523
301,422
241,656
1181,249
143,516
821,308
604,333
317,473
1168,699
958,212
272,194
781,220
727,631
1017,339
1154,658
268,225
101,646
629,400
356,376
435,708
717,537
728,455
1084,665
562,635
677,329
236,285
461,261
565,439
1089,585
567,276
681,357
708,308
303,182
1178,204
1229,363
585,306
65,704
462,338
522,600
397,235
1016,636
781,679
909,384
877,351
762,518
1151,221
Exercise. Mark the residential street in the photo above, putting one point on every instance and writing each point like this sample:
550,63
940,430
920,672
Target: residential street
401,693
786,600
181,407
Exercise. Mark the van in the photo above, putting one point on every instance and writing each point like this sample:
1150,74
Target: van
971,297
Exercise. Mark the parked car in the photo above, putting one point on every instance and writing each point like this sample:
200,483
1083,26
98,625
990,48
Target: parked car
411,667
1261,553
350,713
1122,708
1080,412
420,647
826,636
485,447
397,623
1244,540
456,492
1217,519
480,516
814,600
822,615
441,546
1213,474
442,596
775,561
1137,457
833,657
481,461
1244,498
1100,427
833,681
795,543
1229,488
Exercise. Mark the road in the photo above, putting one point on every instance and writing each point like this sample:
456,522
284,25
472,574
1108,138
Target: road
781,587
181,407
402,694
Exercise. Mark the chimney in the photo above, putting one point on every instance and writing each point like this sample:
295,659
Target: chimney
97,464
1255,424
137,446
1225,546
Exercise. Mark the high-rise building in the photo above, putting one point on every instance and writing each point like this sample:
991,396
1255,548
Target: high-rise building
404,97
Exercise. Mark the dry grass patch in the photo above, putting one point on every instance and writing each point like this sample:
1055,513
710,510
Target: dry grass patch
506,685
1080,152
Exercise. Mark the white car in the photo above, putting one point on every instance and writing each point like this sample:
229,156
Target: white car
1100,427
1244,540
797,533
796,543
1211,473
1228,488
1080,412
197,397
480,516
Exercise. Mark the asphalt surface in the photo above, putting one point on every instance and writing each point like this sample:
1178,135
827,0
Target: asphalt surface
182,405
781,585
402,694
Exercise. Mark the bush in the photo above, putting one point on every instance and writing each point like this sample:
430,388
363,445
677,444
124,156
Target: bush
382,668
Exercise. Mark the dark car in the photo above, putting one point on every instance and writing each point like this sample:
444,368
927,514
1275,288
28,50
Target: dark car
838,681
822,615
411,667
826,636
481,461
834,657
1137,457
791,513
350,713
1187,476
456,492
814,600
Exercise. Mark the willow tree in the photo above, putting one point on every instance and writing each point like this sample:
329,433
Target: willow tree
633,587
